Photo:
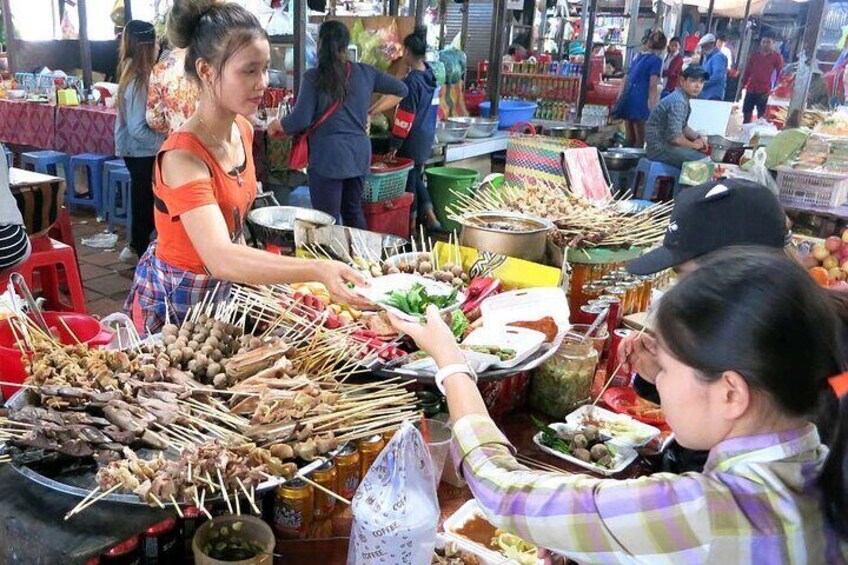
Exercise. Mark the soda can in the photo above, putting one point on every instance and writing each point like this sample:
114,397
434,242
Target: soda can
587,314
327,476
193,518
161,543
613,361
369,449
293,511
125,553
348,472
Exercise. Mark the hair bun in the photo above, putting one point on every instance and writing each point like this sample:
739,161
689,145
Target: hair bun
183,19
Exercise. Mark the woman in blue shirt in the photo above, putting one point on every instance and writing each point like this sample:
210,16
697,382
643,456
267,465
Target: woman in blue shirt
640,92
134,140
339,149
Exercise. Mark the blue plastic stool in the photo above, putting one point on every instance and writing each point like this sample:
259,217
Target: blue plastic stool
93,164
118,200
109,166
652,171
47,162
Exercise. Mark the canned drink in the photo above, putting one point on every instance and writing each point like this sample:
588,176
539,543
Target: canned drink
369,449
160,543
293,511
613,361
387,436
587,314
326,476
348,471
193,518
125,553
615,314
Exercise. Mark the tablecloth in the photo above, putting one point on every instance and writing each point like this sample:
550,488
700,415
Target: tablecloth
27,123
85,129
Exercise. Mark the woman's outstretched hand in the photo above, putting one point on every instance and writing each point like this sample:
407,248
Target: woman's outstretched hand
433,336
337,277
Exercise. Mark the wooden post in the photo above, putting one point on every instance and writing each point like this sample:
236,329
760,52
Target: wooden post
797,103
710,16
496,52
587,57
11,40
85,45
744,50
463,38
127,12
632,10
300,11
420,8
443,17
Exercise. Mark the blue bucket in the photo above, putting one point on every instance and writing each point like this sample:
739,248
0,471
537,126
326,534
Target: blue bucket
510,112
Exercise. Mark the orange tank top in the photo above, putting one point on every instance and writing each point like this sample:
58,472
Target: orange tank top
174,246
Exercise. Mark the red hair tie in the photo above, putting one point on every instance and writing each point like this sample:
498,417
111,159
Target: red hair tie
839,384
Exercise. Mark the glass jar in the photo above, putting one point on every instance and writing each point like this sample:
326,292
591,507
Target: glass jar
564,381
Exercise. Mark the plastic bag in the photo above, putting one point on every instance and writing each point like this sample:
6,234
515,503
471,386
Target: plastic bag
759,172
395,510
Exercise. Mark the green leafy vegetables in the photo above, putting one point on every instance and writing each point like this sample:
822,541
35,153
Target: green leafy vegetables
415,300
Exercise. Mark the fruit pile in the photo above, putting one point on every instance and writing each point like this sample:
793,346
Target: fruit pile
827,261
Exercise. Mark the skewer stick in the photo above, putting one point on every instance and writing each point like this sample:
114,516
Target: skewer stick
249,495
611,376
177,507
97,498
81,503
156,500
238,504
224,491
70,332
326,491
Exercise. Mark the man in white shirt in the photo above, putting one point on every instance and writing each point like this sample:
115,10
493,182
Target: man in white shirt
721,45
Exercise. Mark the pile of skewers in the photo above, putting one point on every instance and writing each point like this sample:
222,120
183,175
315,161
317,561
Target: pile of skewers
578,222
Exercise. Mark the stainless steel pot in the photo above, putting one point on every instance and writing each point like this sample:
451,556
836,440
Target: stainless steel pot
480,127
274,225
449,132
508,233
616,160
571,132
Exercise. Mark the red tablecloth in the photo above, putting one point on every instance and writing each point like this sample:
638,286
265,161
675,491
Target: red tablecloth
85,129
27,123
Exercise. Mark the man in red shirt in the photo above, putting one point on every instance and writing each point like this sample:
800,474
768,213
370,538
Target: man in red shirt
761,72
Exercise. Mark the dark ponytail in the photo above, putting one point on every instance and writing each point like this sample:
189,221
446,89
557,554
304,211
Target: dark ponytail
333,41
416,42
757,312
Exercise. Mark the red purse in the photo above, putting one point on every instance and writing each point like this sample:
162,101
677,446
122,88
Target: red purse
299,157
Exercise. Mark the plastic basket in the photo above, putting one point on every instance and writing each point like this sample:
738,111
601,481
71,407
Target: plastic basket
386,183
826,190
390,216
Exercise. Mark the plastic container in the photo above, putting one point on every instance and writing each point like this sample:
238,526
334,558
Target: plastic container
390,216
510,112
438,437
826,190
564,381
523,341
443,183
252,528
387,182
85,329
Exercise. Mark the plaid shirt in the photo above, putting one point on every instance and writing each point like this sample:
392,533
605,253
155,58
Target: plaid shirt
755,502
667,120
157,283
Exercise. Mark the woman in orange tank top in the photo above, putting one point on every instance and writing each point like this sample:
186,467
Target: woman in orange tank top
205,180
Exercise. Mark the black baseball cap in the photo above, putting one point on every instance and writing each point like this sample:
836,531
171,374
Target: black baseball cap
713,216
695,71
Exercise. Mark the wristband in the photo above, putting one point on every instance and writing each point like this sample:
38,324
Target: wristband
446,372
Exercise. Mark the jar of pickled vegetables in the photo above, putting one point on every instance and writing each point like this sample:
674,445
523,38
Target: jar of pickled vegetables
564,381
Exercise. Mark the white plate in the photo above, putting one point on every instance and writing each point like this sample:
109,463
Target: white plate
523,341
380,287
469,548
621,429
623,456
458,519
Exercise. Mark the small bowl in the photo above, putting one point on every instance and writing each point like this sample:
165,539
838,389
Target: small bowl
450,132
16,94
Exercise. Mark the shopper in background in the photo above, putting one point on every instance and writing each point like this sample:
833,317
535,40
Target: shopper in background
716,65
135,141
14,243
761,73
339,92
672,66
640,92
721,45
414,127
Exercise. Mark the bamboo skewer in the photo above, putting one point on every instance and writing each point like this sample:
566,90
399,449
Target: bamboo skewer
326,491
224,491
248,495
155,498
86,503
177,507
611,376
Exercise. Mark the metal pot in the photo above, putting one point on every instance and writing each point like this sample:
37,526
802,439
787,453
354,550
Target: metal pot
508,233
480,127
617,160
720,146
571,132
274,225
448,132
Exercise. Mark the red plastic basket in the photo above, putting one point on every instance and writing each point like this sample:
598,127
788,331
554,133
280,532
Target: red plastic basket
390,216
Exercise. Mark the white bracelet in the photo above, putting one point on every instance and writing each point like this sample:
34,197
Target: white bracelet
446,372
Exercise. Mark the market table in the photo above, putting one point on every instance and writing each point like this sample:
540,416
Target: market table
27,123
85,129
471,148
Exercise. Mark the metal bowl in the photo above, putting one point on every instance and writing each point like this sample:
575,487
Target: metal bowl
449,132
480,127
571,132
508,233
274,225
617,160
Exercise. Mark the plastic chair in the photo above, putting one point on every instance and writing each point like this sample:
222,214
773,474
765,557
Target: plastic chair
93,164
47,255
651,172
118,201
47,162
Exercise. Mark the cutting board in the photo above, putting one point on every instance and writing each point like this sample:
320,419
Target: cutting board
710,117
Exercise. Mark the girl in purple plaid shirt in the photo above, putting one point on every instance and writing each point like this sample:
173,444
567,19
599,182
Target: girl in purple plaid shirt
750,356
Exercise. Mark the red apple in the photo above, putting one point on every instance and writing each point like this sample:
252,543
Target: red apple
836,274
833,243
844,265
843,253
820,252
830,262
845,235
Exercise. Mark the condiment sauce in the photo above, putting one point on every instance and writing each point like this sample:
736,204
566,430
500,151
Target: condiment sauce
478,530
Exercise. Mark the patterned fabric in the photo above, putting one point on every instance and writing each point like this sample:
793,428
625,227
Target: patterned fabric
530,156
157,283
667,120
85,129
27,123
171,96
755,502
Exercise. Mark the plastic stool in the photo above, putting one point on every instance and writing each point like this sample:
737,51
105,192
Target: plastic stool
112,165
47,162
653,171
93,164
118,201
47,255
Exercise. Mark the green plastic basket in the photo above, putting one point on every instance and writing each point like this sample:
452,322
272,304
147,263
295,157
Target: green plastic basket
388,183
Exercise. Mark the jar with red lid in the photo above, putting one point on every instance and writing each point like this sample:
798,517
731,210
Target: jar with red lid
128,552
160,543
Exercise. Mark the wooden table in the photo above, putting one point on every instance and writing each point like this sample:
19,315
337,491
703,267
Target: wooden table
39,199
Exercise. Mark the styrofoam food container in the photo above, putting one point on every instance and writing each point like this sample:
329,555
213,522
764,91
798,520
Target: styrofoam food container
380,287
458,519
525,342
639,434
480,362
623,456
527,305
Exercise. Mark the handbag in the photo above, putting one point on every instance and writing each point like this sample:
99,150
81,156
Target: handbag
299,158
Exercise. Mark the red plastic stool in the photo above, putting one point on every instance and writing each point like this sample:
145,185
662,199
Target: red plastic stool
47,255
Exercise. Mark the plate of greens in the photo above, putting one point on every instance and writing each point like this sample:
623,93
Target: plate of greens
408,296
